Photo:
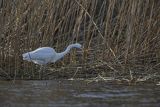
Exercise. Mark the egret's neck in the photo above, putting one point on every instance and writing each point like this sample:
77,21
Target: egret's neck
62,54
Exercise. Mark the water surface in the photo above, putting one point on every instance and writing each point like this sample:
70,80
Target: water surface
76,93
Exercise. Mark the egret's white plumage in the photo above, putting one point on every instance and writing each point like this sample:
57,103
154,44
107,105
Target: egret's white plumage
45,55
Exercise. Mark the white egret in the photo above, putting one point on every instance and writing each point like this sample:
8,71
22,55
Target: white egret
45,55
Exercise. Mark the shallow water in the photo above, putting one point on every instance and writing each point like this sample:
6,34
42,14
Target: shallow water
76,93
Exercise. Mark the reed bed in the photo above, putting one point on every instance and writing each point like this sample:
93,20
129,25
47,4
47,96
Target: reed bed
120,38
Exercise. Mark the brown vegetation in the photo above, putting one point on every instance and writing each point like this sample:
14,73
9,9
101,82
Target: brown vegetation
120,38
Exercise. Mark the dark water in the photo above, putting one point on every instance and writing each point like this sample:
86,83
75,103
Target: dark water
76,93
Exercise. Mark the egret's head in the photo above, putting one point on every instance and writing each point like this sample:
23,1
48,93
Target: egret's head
26,56
77,45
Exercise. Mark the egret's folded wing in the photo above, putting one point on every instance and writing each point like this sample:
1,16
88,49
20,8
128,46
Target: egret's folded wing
42,56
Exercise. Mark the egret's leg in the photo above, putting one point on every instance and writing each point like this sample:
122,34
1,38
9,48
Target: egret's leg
40,72
44,68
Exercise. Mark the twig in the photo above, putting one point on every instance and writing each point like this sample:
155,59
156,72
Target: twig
8,77
90,18
76,72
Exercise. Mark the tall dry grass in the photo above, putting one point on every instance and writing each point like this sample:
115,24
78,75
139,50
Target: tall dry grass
120,38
